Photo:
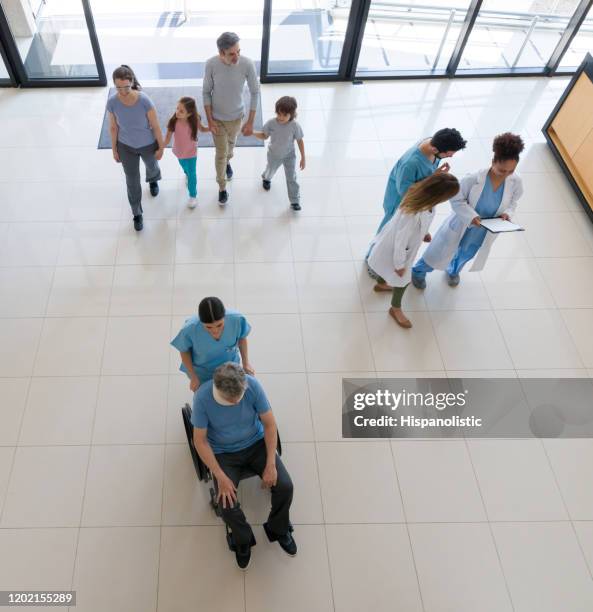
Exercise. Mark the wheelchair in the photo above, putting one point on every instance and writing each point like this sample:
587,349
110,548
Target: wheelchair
204,474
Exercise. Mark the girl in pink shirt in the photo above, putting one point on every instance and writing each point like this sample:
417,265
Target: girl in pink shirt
183,127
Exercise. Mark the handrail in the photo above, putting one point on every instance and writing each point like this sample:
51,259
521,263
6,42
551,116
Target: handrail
546,21
525,41
482,11
444,38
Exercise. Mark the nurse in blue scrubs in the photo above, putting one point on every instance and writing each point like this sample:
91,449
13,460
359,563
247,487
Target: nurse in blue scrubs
491,192
214,337
418,163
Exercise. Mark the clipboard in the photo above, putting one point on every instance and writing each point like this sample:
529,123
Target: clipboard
496,225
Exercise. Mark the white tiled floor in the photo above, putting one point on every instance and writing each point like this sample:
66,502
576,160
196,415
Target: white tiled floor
97,490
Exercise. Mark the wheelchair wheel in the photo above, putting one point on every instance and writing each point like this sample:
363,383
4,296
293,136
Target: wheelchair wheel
201,470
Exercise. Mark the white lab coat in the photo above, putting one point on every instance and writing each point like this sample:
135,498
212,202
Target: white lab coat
397,244
445,242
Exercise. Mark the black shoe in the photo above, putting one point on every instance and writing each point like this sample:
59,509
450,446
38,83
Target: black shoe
295,206
229,172
243,556
266,184
287,543
138,223
223,196
154,189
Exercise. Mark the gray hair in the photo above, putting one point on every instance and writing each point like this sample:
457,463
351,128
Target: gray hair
226,40
230,380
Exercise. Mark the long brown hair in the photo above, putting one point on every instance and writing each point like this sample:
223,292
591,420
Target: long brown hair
125,73
426,194
192,111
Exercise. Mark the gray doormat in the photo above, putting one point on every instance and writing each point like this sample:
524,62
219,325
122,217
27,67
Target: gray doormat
165,99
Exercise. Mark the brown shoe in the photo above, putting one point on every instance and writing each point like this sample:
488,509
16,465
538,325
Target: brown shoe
399,317
379,287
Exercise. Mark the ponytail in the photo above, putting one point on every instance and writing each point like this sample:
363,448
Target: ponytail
125,73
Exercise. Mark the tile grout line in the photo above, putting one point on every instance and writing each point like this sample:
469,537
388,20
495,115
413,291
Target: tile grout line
567,509
324,527
234,268
393,462
310,524
418,583
90,447
489,523
468,450
172,267
28,392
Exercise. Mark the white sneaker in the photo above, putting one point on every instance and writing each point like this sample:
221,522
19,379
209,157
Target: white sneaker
192,203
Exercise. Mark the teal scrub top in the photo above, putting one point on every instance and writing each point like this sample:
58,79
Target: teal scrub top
411,167
208,353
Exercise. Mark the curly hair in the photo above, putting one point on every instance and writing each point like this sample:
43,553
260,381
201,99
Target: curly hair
507,146
287,105
448,139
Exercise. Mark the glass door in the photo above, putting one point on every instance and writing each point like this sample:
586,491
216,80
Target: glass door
409,37
515,35
51,42
307,38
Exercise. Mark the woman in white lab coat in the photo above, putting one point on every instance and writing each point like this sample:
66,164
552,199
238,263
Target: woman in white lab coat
492,192
396,245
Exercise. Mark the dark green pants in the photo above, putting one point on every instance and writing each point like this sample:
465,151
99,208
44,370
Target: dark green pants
397,295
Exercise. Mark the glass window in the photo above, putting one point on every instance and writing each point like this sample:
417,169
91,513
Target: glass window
581,44
52,38
516,34
307,36
411,36
172,39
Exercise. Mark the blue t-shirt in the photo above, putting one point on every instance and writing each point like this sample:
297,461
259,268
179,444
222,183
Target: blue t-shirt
208,353
230,428
133,127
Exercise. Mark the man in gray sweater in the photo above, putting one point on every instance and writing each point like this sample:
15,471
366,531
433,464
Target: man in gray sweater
224,80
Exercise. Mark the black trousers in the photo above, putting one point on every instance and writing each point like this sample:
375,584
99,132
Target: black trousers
254,458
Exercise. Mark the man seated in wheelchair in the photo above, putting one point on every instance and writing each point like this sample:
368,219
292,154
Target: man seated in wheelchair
234,432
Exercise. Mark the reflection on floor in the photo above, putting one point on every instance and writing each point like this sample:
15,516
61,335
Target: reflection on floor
97,489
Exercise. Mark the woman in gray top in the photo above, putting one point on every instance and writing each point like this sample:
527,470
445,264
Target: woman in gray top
135,134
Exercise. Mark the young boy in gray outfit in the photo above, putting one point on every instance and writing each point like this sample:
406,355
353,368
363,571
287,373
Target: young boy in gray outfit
283,130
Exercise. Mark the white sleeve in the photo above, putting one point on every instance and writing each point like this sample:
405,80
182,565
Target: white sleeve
460,202
401,238
516,195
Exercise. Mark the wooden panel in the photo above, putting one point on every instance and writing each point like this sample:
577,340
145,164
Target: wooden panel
583,164
575,119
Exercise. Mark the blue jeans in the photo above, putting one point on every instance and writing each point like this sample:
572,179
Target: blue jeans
189,167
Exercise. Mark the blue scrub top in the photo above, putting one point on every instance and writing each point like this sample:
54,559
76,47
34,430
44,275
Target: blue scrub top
487,206
411,167
230,428
208,353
